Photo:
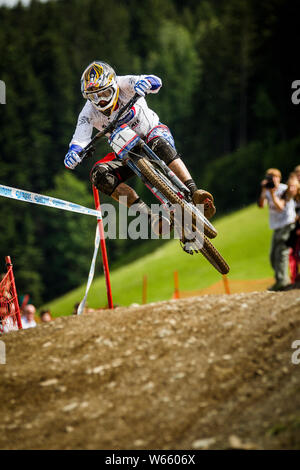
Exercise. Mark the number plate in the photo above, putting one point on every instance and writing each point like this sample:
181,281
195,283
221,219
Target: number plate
122,140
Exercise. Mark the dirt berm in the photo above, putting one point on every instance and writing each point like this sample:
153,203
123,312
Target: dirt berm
205,372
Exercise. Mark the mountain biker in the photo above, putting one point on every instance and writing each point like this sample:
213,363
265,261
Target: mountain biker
105,93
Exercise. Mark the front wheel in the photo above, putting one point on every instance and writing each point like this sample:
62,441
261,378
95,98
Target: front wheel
207,249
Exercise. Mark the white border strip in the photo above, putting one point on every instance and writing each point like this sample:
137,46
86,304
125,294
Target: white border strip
27,196
91,273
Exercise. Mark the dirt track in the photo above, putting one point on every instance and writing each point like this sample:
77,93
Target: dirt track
207,372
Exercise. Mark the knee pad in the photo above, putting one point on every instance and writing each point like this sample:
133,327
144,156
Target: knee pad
104,179
163,150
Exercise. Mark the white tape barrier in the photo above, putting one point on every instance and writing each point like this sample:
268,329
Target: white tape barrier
91,273
27,196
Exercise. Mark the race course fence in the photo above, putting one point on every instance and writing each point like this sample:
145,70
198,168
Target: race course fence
10,318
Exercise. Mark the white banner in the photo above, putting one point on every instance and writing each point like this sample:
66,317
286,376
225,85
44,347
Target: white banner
27,196
91,273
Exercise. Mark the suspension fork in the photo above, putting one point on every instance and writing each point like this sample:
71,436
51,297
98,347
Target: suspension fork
176,181
162,199
166,170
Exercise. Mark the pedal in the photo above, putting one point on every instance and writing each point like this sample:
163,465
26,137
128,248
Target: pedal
185,249
189,251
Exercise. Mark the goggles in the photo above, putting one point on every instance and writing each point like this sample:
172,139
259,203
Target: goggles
101,97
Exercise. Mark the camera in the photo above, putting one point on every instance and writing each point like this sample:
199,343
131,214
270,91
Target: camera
270,183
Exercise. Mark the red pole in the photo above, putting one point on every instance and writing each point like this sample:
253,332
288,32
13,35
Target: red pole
226,284
25,300
14,290
103,250
176,286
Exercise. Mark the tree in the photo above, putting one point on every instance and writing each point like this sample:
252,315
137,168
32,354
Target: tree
176,61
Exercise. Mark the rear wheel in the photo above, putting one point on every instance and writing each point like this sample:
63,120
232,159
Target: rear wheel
207,249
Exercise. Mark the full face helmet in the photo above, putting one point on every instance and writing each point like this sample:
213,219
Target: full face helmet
99,86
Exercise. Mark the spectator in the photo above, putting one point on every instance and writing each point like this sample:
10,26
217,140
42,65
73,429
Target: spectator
27,318
294,240
45,316
282,215
297,173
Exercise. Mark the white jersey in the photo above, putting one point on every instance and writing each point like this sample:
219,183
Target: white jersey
27,324
140,118
279,219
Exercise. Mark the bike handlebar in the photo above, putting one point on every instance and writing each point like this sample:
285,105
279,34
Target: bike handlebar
109,128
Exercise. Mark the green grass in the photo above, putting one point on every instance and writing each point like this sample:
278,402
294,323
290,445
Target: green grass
243,240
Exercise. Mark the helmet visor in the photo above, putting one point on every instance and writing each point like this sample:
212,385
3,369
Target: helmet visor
102,98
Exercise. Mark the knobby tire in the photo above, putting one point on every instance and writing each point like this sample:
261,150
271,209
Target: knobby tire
207,250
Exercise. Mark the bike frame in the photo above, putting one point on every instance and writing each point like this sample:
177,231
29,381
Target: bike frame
130,140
